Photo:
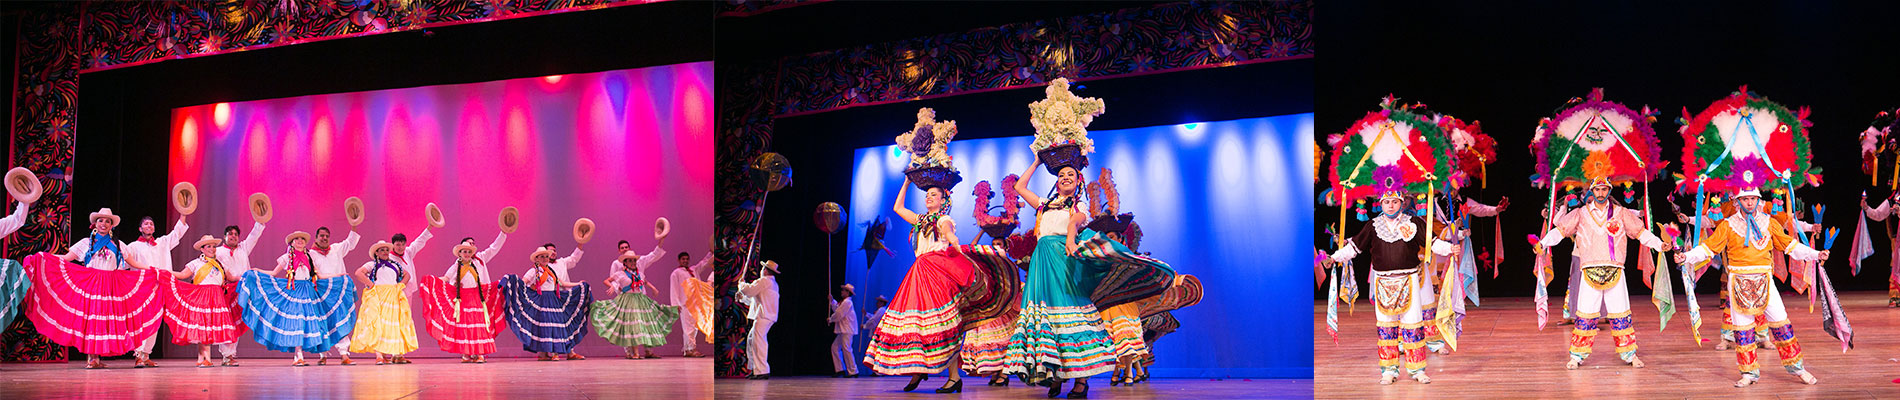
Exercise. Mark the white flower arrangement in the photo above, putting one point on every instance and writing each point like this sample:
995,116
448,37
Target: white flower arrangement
1063,118
928,142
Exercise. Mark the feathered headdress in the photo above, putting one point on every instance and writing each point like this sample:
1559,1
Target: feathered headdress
1745,141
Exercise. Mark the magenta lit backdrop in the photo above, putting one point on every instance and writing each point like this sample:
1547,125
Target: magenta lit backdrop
620,147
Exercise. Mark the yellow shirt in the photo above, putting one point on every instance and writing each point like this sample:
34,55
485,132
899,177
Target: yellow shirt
1728,239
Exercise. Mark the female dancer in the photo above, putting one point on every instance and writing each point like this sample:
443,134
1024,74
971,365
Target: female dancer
204,311
923,327
294,309
1059,334
631,319
384,325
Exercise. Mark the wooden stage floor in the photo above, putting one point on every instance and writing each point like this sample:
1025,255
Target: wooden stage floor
889,387
1503,355
500,378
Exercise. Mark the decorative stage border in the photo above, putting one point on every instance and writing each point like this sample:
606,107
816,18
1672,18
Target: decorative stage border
1160,38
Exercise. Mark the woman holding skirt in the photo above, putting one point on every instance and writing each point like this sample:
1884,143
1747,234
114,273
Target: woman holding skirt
465,306
300,310
384,325
1059,334
13,282
549,312
204,309
94,298
631,319
923,327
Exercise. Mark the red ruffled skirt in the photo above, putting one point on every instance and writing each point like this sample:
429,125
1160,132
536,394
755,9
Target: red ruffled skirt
99,312
203,314
463,320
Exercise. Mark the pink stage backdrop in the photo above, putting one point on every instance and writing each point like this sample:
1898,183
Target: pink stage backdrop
620,147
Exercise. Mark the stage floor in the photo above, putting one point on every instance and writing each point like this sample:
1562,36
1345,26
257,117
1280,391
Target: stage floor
500,378
1503,355
890,387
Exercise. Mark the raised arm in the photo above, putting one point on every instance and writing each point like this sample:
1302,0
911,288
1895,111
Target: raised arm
250,241
1022,185
170,240
349,243
909,216
495,247
13,221
415,246
704,266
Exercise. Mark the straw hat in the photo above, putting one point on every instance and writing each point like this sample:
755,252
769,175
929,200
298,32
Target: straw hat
297,235
435,215
583,230
771,265
457,250
103,213
207,240
185,198
541,252
509,219
260,207
380,245
662,227
353,210
23,185
624,256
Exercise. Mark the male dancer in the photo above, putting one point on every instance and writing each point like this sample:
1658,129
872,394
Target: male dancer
761,299
235,256
329,260
844,317
1747,239
156,252
689,331
1393,239
1601,230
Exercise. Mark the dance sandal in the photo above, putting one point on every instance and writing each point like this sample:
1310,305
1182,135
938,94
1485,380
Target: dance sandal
575,357
1079,391
1807,378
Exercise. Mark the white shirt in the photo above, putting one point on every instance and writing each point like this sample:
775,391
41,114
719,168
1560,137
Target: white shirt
387,277
639,266
922,237
238,260
677,292
761,297
104,260
480,261
331,264
844,317
414,247
13,221
157,254
875,317
209,279
1054,223
559,267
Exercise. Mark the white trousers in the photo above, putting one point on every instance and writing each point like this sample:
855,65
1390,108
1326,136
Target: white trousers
146,346
1596,303
342,347
689,332
228,349
757,349
841,358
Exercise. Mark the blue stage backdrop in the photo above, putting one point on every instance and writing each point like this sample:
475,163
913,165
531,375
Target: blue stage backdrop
1226,201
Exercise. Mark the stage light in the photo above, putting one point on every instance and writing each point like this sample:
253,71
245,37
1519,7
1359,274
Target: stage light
552,79
1190,133
221,114
1191,126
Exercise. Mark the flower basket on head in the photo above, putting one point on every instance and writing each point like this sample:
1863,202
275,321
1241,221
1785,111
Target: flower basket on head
928,145
1061,120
